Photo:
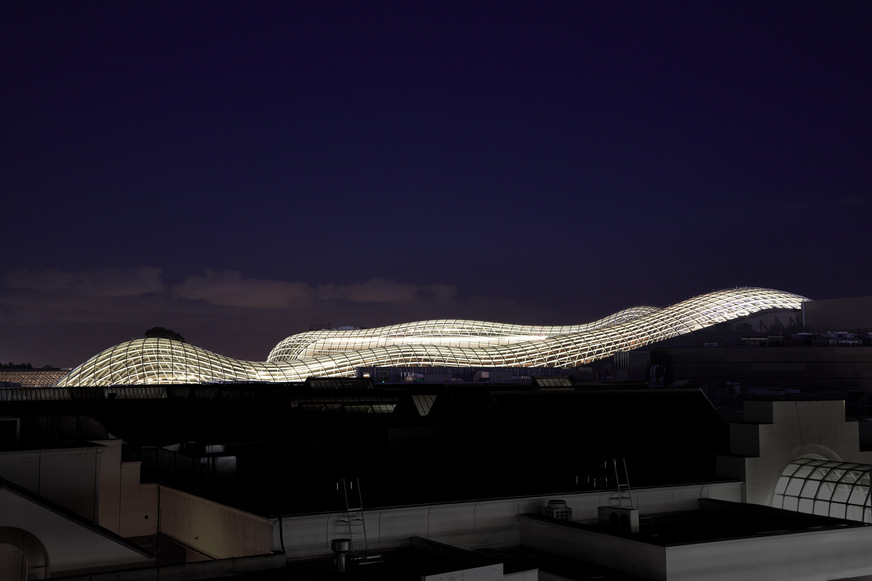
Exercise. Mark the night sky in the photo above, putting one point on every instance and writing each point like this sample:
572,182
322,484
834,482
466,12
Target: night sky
237,171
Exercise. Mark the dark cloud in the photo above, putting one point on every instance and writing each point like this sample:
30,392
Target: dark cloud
221,310
230,289
379,290
104,282
45,297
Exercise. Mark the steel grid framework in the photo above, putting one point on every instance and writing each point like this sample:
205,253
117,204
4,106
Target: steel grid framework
825,487
450,343
443,332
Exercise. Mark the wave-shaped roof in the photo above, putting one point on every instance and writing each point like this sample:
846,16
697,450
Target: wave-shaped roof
444,332
452,343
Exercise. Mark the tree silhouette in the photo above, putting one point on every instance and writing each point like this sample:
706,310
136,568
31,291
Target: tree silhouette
11,365
161,333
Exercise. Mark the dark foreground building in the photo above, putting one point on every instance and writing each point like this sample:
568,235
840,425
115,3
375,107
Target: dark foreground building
491,481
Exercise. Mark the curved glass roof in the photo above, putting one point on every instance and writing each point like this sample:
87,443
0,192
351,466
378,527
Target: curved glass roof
825,487
444,332
449,343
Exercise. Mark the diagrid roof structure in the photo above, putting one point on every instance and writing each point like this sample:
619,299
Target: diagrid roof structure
452,343
445,332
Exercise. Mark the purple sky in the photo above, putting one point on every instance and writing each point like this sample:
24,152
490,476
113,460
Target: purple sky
237,171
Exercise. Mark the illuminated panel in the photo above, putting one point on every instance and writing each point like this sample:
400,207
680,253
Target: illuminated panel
828,488
164,361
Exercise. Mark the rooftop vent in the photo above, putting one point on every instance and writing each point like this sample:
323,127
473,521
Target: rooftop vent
557,509
341,548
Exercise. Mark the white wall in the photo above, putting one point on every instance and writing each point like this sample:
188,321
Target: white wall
812,555
70,546
214,529
108,485
798,556
67,477
531,575
486,573
636,558
95,484
91,481
472,525
139,510
13,565
807,556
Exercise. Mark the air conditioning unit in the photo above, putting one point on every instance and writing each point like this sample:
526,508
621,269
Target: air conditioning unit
619,518
557,509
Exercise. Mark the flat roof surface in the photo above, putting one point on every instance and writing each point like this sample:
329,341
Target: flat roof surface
404,563
716,520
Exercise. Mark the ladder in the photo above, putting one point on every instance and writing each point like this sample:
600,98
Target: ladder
354,519
623,496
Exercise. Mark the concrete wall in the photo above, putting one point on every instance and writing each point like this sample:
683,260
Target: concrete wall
92,482
139,509
67,477
474,525
211,528
108,485
809,556
125,505
531,575
804,556
22,555
486,573
69,545
636,558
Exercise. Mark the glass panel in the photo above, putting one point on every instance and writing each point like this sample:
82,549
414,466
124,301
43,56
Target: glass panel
802,471
854,512
809,490
850,477
825,490
794,486
790,503
841,493
781,485
821,507
818,473
858,495
835,474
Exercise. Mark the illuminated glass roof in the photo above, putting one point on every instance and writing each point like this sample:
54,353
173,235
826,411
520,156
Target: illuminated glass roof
443,332
452,343
824,487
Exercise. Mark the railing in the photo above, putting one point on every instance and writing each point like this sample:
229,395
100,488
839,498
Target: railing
12,394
